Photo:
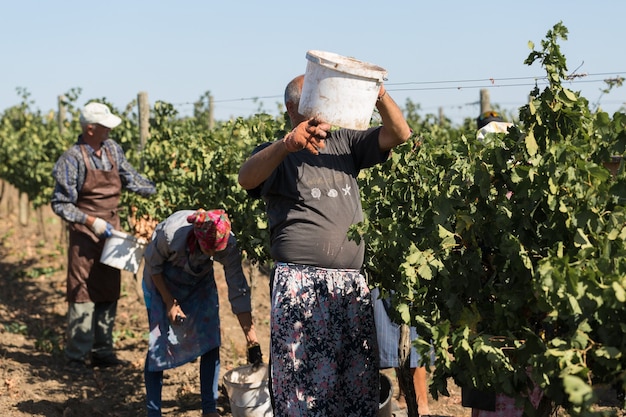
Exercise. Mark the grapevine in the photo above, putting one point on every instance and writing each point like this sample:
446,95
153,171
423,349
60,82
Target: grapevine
508,254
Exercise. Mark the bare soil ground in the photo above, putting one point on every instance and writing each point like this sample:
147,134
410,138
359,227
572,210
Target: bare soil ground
33,381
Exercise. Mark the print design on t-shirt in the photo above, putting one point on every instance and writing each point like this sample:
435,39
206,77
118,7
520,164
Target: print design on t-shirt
316,193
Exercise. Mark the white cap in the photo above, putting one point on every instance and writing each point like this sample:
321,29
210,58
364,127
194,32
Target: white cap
98,113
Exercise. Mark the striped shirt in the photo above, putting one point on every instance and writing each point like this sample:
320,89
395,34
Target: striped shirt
388,335
70,170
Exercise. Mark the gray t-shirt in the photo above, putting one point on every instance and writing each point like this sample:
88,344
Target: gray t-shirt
312,200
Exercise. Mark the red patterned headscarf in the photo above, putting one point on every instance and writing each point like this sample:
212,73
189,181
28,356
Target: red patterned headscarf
211,228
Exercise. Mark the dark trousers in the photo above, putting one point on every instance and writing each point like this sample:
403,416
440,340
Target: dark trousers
209,379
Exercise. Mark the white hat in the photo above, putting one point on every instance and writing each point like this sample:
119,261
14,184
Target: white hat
98,113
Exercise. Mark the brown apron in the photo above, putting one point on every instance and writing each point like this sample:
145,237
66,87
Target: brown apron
87,278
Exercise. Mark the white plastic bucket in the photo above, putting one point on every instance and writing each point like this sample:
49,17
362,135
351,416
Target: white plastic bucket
123,251
342,91
248,391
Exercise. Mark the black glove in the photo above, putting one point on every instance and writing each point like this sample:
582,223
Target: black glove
255,357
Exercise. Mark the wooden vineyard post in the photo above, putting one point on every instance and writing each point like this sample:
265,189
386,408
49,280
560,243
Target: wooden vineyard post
211,109
23,209
144,122
61,113
485,104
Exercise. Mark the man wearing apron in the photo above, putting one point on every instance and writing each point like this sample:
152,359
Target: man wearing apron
89,180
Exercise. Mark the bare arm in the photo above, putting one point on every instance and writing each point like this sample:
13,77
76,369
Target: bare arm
260,166
245,321
171,305
395,130
309,135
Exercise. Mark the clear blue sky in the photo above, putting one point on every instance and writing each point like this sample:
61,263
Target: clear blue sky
238,50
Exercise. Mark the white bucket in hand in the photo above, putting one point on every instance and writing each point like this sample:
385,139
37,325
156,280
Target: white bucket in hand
341,91
248,391
123,251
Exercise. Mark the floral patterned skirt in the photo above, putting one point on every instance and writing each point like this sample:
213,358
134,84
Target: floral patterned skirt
323,347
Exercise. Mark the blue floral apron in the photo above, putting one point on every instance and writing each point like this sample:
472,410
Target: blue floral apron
174,345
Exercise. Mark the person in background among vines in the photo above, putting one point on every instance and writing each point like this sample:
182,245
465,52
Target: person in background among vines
182,301
323,350
89,178
388,335
490,122
490,403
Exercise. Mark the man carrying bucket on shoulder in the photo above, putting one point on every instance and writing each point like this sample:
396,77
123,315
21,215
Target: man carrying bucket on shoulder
89,179
323,350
